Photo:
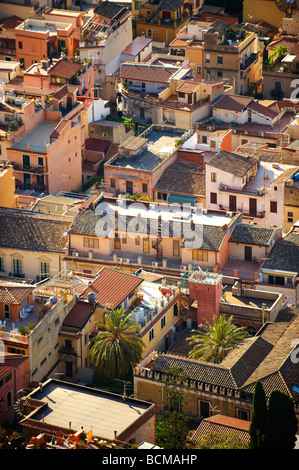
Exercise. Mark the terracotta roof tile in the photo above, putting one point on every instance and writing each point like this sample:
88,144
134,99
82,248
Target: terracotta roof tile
112,287
30,231
182,177
233,163
79,314
252,234
146,73
233,102
14,294
64,69
10,363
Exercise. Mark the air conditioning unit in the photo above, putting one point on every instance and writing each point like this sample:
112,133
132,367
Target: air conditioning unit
75,253
155,263
234,131
126,260
209,128
183,268
261,134
205,211
229,214
119,260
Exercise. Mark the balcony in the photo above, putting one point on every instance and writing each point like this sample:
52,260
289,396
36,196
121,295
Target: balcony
173,103
248,62
245,191
39,170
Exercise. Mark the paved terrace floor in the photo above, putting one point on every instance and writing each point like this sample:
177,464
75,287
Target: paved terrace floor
38,138
151,158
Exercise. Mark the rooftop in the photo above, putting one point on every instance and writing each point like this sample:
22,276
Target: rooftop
38,138
182,177
30,231
233,163
112,287
253,234
100,411
43,26
160,146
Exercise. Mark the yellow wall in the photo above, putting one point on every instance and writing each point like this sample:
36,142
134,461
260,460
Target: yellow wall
7,187
262,10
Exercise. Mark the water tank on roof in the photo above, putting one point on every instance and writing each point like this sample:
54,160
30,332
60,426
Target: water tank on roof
53,300
92,298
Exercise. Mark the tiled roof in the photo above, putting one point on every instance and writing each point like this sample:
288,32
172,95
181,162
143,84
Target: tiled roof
252,234
286,174
34,232
65,90
265,357
260,109
284,256
233,163
65,69
78,315
111,287
233,102
96,145
220,424
10,362
14,294
146,73
109,10
278,370
213,374
170,4
182,177
89,223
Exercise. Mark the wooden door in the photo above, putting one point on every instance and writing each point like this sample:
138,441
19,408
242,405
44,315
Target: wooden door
248,253
252,207
232,203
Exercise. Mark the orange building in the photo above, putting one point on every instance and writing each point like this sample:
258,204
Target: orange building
38,40
49,156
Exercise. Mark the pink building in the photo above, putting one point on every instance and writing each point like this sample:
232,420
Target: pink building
11,381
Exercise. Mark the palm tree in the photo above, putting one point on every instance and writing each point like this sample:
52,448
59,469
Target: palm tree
213,341
117,347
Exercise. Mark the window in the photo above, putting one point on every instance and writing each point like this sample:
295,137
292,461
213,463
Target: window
213,198
90,242
26,161
275,188
273,207
151,334
290,219
162,196
175,310
162,322
8,378
137,240
219,73
113,183
204,408
204,139
200,255
207,58
1,264
243,414
9,400
17,267
6,310
149,33
144,188
22,63
219,60
198,70
40,161
45,270
213,177
20,45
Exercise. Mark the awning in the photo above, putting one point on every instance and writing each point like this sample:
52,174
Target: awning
181,199
179,322
168,333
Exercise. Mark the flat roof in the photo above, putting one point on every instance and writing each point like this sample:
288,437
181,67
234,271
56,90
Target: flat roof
38,138
103,412
168,212
160,146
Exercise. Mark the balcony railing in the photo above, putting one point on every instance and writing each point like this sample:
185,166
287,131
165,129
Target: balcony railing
175,104
28,169
244,190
